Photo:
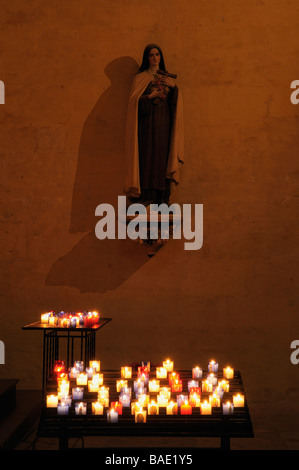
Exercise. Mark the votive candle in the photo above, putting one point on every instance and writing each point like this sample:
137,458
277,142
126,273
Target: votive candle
206,408
228,372
238,400
97,408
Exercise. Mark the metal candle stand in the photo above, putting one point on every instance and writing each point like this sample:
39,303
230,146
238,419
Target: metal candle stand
84,337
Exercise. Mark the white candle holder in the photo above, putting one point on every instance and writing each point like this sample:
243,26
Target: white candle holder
197,373
78,393
80,408
62,409
112,416
227,408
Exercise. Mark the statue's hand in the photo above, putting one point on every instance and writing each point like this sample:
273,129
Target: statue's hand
156,93
168,81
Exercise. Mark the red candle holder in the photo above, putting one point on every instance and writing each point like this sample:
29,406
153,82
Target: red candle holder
117,406
177,386
59,367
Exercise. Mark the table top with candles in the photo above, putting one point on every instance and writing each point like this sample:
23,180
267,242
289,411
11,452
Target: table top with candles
197,423
38,325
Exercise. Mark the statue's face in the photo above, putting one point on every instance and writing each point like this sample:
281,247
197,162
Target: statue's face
154,58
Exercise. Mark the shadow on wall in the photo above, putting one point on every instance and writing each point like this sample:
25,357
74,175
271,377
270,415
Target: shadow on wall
99,265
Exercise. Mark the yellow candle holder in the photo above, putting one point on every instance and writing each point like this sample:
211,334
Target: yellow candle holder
172,408
97,408
154,386
82,379
52,401
168,365
95,365
126,372
121,383
140,417
153,408
228,372
161,373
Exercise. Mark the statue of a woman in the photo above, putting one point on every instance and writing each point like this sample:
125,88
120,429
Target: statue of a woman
154,132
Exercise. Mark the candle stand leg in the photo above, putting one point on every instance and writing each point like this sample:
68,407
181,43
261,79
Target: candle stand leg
225,443
63,443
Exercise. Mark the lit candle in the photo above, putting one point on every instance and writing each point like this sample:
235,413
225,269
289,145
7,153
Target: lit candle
62,408
205,408
121,383
142,371
161,373
143,399
93,386
117,406
165,392
168,365
206,386
154,386
238,400
95,365
213,366
162,400
192,384
228,373
80,408
181,399
45,318
219,392
52,401
78,393
194,400
95,317
53,321
125,400
136,406
126,372
197,373
112,416
153,408
63,387
103,400
186,408
126,391
73,322
176,386
97,408
172,408
224,384
104,391
74,372
227,408
173,376
140,416
196,390
139,386
66,399
82,379
79,365
98,379
89,371
214,400
212,379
